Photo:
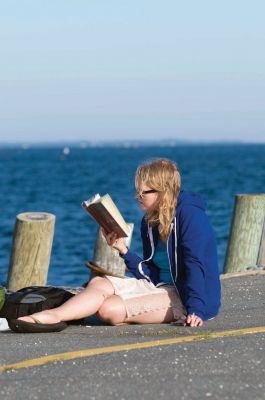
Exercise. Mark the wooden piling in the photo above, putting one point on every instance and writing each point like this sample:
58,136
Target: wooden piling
107,257
261,257
31,250
245,233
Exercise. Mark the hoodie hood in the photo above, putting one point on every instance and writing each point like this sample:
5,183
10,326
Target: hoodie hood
194,199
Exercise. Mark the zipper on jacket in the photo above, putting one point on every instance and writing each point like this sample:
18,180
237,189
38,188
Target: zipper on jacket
140,269
170,268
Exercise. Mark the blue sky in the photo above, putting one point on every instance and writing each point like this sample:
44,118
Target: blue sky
105,70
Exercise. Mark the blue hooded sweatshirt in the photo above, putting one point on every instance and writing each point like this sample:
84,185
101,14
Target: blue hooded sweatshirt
192,255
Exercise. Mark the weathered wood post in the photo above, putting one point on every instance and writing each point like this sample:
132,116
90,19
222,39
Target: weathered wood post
107,257
261,257
245,237
31,250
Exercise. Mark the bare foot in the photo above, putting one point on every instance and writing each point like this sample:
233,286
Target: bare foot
45,317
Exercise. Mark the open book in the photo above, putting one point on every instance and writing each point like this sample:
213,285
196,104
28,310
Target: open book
107,215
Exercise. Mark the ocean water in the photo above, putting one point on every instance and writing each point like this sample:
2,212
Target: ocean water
44,179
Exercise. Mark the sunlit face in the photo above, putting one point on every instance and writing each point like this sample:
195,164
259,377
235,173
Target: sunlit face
147,201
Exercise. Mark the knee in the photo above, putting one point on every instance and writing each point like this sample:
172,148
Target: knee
102,284
107,313
97,280
110,313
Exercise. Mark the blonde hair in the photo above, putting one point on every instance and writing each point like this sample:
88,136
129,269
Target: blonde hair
161,175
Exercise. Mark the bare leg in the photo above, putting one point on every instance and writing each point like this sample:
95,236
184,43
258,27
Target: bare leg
81,305
113,312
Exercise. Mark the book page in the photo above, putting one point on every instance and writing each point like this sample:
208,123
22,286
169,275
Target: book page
113,210
105,212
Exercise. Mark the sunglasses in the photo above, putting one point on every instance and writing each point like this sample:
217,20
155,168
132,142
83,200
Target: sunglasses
144,192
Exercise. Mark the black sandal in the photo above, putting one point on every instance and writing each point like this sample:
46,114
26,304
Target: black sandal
20,326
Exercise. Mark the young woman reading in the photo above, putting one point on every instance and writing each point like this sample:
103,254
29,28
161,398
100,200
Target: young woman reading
177,279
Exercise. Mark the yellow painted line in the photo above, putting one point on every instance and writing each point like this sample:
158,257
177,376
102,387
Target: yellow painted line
133,346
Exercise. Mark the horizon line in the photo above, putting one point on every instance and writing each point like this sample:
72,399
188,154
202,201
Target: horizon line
84,143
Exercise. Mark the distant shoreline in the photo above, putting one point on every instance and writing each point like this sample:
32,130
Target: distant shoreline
123,144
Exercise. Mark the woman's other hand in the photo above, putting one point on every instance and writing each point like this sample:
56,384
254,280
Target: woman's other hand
193,320
115,242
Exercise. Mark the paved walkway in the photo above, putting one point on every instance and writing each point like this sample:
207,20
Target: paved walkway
224,359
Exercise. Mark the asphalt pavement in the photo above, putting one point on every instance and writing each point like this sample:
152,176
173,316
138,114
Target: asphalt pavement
223,359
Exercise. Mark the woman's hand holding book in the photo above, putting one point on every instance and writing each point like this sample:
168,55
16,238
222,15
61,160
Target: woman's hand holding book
115,242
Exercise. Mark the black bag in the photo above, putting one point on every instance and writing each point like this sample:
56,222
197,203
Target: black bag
33,299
